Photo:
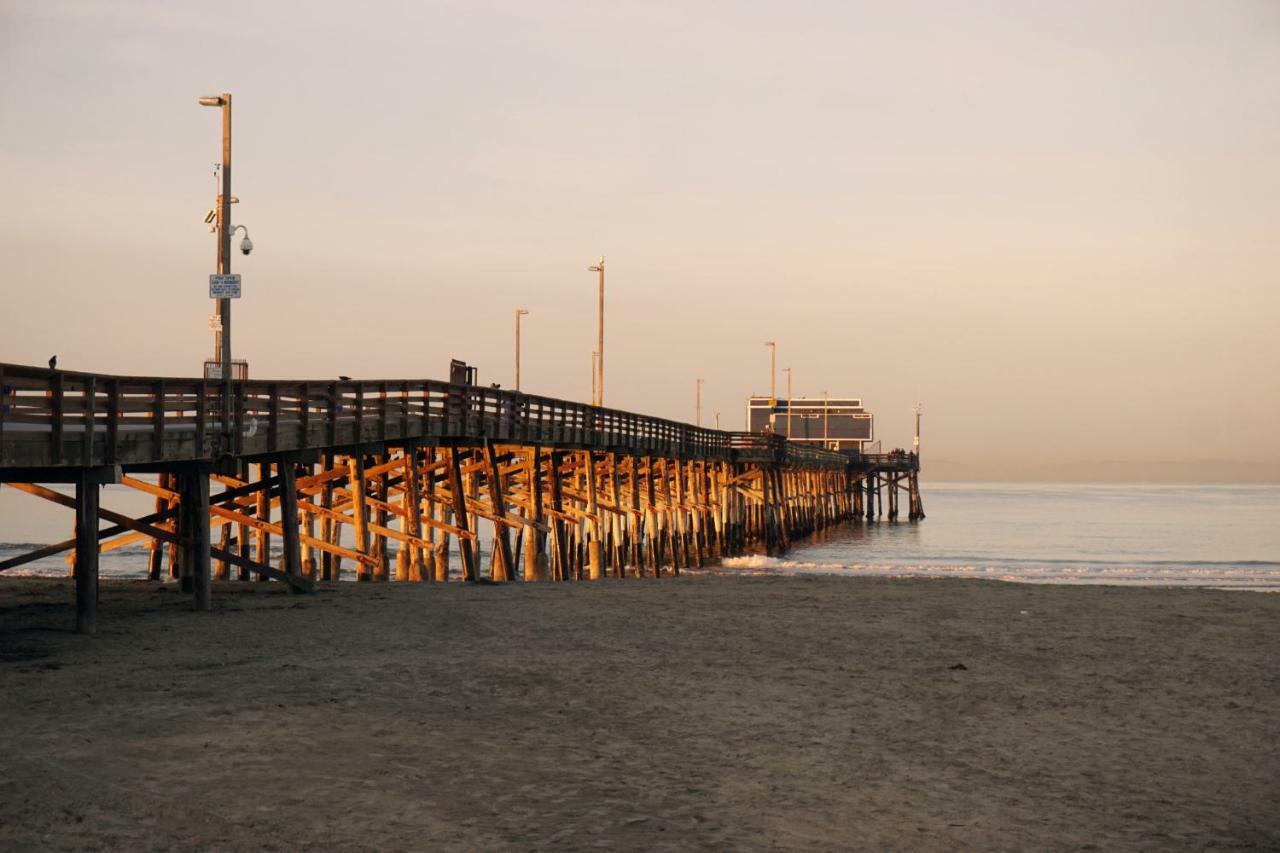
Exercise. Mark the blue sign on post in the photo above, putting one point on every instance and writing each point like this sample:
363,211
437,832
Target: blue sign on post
224,286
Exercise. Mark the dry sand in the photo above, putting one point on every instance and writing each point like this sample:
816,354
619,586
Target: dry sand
706,712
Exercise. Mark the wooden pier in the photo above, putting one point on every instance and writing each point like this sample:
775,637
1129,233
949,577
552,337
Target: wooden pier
567,491
886,475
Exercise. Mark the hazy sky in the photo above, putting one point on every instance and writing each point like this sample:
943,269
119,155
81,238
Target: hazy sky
1057,224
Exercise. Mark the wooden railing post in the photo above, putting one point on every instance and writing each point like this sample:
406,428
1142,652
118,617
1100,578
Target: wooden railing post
359,413
202,417
426,407
404,409
237,424
331,416
304,416
157,418
90,416
56,413
113,421
273,418
382,411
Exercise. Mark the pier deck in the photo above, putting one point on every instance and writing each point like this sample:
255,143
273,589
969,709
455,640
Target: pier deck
406,466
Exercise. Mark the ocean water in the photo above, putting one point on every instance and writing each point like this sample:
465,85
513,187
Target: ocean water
1219,536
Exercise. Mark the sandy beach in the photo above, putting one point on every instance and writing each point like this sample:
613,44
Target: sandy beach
705,712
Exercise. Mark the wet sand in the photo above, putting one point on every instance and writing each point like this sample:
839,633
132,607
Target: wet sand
705,712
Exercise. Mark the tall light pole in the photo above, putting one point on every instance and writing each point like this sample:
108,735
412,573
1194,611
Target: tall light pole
773,372
915,442
788,371
698,404
594,377
520,312
222,343
773,380
599,382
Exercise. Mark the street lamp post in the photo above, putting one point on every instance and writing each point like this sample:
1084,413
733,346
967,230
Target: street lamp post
222,341
915,442
773,372
788,371
520,312
594,377
698,404
599,371
773,380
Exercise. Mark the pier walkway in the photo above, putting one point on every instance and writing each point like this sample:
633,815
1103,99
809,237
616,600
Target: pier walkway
391,471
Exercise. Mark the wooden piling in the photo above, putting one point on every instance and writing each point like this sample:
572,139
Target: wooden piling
502,566
86,565
197,556
412,521
559,534
381,564
261,538
222,568
535,558
327,523
359,513
242,533
595,549
308,521
289,517
465,546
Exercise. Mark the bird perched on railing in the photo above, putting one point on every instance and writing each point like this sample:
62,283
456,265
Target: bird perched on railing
345,378
53,363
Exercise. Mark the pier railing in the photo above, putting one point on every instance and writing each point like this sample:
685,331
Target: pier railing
64,418
898,460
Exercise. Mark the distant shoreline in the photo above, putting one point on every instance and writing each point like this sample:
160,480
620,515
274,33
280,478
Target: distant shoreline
1101,472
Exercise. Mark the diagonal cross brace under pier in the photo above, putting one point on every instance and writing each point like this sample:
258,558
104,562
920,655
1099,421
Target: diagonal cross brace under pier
107,532
296,582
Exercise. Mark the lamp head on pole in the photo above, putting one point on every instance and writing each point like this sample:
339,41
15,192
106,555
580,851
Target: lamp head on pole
213,101
597,267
